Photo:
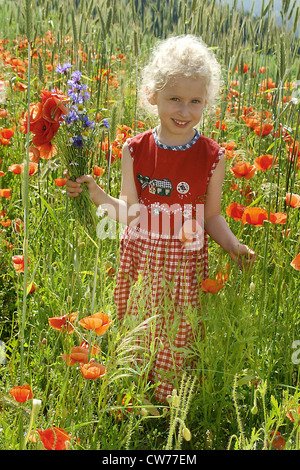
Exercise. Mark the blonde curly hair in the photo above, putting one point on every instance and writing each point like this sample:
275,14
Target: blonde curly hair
185,56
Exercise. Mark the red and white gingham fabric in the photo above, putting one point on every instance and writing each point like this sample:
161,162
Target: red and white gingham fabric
159,277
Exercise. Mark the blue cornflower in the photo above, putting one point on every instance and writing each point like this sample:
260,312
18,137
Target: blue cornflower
63,68
77,141
106,123
72,116
87,123
76,75
75,97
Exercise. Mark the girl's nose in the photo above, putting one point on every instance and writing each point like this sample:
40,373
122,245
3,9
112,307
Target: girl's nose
184,109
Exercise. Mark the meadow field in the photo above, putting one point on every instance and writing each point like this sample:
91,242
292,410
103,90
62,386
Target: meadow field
73,381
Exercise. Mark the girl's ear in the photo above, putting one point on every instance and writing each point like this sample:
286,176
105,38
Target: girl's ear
151,97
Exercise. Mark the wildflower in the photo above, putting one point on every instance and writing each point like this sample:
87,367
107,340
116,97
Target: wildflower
7,133
243,170
92,370
64,322
254,216
60,181
5,193
44,131
106,123
211,285
16,168
278,217
47,150
264,162
100,322
292,200
78,354
54,438
98,171
19,263
221,125
77,141
5,223
54,109
21,393
63,68
263,129
296,263
235,210
277,440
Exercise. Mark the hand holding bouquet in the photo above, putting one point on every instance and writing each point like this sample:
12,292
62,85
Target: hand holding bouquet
61,127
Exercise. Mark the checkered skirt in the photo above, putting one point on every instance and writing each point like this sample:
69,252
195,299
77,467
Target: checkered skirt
159,278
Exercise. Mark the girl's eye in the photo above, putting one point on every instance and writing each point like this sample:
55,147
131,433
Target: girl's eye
196,101
174,99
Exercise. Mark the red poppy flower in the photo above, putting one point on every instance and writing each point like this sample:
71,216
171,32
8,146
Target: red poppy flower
3,113
5,193
263,129
19,263
98,171
53,109
100,322
16,168
229,145
19,225
54,438
296,263
92,370
44,132
35,114
235,210
7,133
243,170
264,162
277,441
278,217
291,413
34,154
60,181
292,200
78,354
21,393
2,172
211,285
267,84
221,125
5,223
47,150
254,216
64,322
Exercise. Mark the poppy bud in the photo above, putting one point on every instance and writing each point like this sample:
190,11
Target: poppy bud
186,434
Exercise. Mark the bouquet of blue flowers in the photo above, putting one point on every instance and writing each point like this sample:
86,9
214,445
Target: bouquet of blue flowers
76,142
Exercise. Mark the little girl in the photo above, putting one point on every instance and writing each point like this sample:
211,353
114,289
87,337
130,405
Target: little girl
170,201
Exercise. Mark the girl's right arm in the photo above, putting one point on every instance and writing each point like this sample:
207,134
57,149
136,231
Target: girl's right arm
124,209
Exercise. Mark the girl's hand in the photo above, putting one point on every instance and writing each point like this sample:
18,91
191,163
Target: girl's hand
243,256
74,187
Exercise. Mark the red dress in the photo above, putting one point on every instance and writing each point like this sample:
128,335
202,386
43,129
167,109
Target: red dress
159,273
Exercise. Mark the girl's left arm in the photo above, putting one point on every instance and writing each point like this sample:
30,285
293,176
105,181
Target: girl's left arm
215,224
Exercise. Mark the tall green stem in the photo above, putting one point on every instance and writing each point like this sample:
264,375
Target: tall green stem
25,197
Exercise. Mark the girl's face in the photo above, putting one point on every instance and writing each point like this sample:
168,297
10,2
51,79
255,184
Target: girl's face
180,105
